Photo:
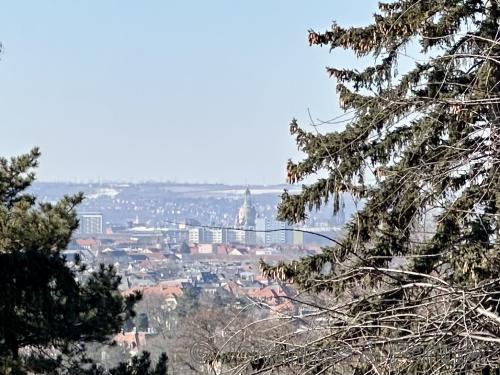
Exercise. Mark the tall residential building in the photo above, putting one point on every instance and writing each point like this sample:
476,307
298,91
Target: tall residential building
90,223
196,235
272,232
216,235
208,235
260,226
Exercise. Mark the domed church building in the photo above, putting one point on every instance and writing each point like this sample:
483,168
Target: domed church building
246,221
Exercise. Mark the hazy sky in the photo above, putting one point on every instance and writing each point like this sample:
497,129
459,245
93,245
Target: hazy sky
199,91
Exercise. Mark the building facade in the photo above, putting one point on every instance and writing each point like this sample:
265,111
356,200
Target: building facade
273,232
90,223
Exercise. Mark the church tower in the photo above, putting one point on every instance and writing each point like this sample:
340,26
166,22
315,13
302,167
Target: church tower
246,220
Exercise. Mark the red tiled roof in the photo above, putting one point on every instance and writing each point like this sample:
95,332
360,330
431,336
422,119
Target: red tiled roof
155,256
87,242
165,291
267,293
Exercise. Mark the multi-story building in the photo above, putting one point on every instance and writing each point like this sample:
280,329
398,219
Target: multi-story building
216,235
272,232
196,235
260,227
176,235
90,223
208,235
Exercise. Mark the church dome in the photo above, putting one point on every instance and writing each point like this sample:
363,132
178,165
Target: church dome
246,213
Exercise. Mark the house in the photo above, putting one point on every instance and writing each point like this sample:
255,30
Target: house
136,258
115,255
247,276
208,278
234,288
167,293
88,243
266,251
132,341
238,252
222,250
84,254
155,257
207,248
272,295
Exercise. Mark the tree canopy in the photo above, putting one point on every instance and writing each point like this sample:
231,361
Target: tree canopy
46,314
415,277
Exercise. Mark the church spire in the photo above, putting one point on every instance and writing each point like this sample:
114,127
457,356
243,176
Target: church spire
248,197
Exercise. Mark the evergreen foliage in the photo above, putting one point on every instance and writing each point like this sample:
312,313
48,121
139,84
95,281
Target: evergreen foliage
137,366
184,249
46,314
417,145
188,302
142,322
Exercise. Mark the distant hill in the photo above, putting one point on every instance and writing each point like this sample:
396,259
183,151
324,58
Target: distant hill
154,202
